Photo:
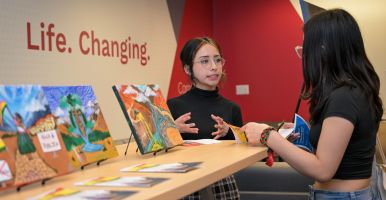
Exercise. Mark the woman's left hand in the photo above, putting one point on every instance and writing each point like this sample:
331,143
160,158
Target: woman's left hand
222,127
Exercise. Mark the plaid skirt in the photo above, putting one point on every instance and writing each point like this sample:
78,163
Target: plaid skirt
223,189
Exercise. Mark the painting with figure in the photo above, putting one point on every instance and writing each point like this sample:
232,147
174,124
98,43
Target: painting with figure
30,147
149,117
81,124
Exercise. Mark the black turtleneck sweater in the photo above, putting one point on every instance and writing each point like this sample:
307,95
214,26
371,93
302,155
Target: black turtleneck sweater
201,104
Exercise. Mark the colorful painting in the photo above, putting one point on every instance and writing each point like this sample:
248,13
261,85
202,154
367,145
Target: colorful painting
149,117
81,124
30,148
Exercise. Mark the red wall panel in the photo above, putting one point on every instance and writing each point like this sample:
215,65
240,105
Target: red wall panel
197,22
258,40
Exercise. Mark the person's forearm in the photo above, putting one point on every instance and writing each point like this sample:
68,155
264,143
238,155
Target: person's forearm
304,162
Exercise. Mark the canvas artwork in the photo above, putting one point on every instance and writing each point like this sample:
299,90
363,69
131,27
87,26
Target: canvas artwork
80,123
30,147
149,117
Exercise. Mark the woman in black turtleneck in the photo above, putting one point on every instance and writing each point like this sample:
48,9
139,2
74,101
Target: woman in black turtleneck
201,104
201,112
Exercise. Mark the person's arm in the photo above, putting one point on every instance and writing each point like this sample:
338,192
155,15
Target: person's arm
334,138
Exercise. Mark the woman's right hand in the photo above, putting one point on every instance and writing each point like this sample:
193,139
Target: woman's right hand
253,132
183,127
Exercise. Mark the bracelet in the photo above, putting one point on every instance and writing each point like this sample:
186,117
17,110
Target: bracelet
263,140
265,135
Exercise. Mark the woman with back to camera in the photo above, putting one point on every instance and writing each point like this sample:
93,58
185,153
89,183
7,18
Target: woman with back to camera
343,89
201,113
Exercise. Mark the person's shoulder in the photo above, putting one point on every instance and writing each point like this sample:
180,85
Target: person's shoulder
177,99
346,91
231,103
348,95
173,100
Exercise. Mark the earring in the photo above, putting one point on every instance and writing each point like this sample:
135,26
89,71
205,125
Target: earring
187,69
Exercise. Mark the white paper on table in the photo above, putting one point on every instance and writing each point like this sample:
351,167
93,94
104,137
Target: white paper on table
203,141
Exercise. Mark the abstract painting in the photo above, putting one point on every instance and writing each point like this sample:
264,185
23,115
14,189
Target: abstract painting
149,117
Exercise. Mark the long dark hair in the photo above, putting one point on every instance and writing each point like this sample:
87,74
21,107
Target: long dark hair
190,49
334,55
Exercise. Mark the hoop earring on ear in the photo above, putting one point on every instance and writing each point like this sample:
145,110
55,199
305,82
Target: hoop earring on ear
187,69
223,76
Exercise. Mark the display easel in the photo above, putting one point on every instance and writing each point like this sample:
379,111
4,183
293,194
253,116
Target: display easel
127,147
154,153
97,163
43,182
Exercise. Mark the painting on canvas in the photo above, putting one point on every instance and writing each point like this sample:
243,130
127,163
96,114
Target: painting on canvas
81,124
149,117
30,147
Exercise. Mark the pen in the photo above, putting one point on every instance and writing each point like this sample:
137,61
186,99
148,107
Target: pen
280,125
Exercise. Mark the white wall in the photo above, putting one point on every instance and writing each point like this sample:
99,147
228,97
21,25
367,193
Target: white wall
145,21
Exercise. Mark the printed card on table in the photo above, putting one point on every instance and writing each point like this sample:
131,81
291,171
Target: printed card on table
124,181
167,168
72,194
200,142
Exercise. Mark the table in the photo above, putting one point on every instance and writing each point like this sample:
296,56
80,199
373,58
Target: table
218,161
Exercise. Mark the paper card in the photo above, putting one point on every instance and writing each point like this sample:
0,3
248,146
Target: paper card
190,143
5,172
240,136
116,181
49,141
169,167
71,194
286,132
202,141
